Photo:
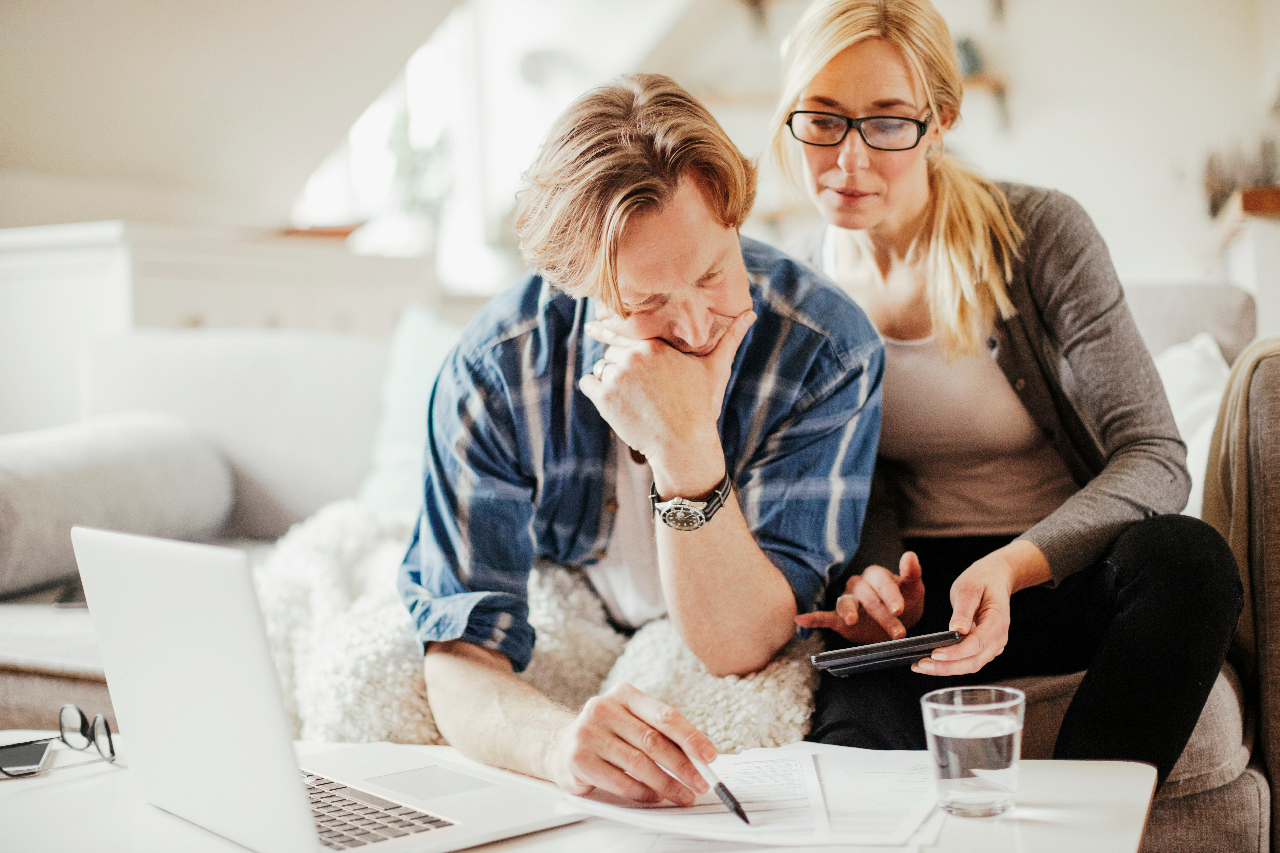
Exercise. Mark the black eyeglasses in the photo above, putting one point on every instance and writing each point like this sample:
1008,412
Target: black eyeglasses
75,730
883,133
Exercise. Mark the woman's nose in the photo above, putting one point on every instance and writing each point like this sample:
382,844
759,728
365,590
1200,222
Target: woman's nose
854,153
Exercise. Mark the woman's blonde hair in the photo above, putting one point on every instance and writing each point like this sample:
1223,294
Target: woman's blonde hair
972,238
618,150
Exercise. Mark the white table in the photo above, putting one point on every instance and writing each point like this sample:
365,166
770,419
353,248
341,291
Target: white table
1063,807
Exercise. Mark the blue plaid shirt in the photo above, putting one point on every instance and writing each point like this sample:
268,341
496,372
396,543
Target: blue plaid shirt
520,466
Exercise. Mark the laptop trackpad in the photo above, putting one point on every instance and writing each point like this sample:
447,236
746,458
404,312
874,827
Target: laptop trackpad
427,783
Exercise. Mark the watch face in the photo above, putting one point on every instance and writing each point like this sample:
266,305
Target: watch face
683,518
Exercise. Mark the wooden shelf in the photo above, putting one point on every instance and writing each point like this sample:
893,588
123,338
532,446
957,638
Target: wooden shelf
986,82
1258,201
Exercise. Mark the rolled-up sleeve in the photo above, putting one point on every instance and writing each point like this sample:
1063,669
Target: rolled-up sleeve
466,572
805,494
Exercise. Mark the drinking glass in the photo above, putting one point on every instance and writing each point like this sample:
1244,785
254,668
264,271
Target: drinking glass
975,735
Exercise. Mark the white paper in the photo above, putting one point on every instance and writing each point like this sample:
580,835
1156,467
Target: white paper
648,842
800,795
778,790
876,796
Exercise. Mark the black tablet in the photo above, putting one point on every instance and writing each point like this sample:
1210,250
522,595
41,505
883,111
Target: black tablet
908,650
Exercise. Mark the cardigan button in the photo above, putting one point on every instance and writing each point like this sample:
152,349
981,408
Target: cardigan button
600,555
1020,384
611,505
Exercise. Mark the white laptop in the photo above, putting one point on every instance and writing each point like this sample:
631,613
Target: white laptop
206,735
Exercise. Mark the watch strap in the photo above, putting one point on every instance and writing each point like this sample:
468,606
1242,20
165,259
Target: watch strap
706,509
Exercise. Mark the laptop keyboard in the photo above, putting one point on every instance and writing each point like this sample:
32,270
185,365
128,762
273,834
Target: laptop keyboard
347,817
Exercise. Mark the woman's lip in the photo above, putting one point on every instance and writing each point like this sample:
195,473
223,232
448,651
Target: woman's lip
850,193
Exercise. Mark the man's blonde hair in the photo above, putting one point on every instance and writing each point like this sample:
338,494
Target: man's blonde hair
618,150
972,238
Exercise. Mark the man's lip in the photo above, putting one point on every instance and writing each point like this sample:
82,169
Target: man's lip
702,353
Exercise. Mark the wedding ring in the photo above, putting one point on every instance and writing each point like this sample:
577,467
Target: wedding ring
598,369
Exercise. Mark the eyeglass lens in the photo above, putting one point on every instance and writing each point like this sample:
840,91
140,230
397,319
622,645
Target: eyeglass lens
77,732
74,728
883,132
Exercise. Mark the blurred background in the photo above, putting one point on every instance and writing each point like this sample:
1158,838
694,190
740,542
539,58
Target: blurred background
317,165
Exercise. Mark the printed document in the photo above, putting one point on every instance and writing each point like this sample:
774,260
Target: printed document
802,795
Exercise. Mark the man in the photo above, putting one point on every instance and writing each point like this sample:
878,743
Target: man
658,364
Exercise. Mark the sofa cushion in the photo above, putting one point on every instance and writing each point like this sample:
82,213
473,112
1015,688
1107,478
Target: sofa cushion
138,473
1235,818
1217,753
418,348
292,409
1195,376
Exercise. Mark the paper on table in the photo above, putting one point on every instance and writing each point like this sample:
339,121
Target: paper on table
779,792
879,796
648,842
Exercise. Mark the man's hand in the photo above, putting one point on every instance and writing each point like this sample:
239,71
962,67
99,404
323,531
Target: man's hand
665,403
980,607
877,605
622,741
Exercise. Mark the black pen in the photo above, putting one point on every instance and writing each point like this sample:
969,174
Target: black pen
721,791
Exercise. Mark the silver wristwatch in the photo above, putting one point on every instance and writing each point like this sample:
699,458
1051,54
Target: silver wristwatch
684,514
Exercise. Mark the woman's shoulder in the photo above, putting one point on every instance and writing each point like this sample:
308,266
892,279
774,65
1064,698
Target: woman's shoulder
1034,207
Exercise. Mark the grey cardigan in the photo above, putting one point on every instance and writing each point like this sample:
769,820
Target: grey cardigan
1074,357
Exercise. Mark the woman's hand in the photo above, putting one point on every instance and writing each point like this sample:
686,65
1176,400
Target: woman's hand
893,603
980,607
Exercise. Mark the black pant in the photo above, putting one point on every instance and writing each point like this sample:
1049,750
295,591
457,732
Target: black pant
1151,622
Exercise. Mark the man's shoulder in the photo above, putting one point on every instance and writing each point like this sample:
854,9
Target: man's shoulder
533,306
808,302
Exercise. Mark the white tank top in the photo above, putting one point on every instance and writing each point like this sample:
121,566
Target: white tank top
964,453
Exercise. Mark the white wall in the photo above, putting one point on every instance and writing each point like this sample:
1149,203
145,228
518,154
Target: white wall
185,112
1118,103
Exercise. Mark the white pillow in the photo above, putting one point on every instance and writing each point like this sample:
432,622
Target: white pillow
137,472
1195,376
419,345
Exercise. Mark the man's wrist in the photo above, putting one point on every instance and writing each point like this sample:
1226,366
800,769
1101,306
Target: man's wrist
692,471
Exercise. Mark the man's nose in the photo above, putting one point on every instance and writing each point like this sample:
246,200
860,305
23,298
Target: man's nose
693,325
854,154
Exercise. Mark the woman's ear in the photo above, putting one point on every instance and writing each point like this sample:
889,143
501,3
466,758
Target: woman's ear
946,118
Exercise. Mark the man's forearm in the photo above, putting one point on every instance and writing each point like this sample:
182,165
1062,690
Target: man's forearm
487,713
732,606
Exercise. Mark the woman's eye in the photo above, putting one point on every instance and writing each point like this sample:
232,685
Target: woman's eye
827,123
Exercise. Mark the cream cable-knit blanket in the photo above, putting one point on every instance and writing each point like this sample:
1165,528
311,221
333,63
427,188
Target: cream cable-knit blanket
351,669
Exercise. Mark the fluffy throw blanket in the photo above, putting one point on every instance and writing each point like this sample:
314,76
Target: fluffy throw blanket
351,669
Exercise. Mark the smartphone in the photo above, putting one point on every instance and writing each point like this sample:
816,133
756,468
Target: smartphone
24,758
908,650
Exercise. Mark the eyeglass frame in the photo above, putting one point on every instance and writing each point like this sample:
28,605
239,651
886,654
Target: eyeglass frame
88,730
922,127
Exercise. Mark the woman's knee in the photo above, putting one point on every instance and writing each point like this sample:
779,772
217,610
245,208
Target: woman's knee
1180,553
873,710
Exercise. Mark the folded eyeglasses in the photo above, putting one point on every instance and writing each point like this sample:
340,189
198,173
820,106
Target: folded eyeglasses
77,732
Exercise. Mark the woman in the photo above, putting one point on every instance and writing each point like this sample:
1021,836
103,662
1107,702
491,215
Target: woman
1029,466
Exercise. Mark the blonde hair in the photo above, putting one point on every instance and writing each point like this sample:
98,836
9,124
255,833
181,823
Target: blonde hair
620,149
972,238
